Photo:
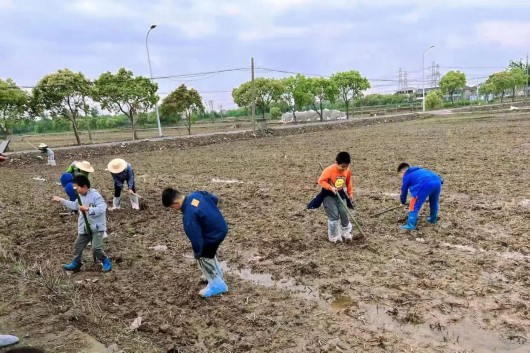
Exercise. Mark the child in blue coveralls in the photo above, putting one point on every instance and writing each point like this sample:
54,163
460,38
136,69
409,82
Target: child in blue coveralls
206,228
422,183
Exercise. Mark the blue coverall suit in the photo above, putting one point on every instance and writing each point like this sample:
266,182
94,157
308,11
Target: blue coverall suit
422,183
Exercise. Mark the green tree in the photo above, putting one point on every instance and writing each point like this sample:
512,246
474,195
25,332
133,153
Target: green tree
517,78
296,93
322,90
350,85
63,94
434,100
275,113
499,83
13,102
124,93
452,82
268,90
486,89
183,102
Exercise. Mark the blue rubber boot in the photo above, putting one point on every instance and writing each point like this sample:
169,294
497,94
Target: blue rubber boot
433,218
411,223
8,340
107,266
215,287
74,266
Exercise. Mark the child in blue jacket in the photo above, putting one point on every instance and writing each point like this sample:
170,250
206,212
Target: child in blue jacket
122,173
206,228
422,183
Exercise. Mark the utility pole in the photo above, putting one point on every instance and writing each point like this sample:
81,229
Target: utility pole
253,97
221,110
527,79
151,74
423,77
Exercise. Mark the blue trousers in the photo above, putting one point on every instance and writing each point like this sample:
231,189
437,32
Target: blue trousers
429,189
68,185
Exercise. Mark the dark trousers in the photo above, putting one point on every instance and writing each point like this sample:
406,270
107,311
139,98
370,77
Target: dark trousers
210,250
117,190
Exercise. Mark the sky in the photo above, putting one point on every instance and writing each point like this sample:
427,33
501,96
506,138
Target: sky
317,38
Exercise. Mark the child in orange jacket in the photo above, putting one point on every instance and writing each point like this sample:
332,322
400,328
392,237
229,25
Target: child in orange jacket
333,179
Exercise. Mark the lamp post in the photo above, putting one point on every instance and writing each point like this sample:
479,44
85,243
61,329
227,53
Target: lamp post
423,76
151,73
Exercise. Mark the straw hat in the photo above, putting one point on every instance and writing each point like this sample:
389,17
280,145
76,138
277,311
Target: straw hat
85,166
117,165
43,145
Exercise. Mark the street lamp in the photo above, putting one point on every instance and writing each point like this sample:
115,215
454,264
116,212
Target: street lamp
151,73
423,75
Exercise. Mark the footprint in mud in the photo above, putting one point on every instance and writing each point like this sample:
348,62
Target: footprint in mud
343,302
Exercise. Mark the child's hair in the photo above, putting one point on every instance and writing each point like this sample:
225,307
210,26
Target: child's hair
25,350
169,195
81,180
343,158
402,167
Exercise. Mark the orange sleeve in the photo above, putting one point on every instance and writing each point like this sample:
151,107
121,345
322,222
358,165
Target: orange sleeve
324,179
349,182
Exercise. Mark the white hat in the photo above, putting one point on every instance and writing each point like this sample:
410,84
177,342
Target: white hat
43,145
117,165
85,166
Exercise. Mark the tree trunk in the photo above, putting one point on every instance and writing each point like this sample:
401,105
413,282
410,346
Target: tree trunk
317,111
74,126
513,96
294,115
347,103
188,123
133,125
88,126
502,96
89,131
321,112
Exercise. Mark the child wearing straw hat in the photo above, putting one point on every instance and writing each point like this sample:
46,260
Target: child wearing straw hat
122,172
67,178
51,156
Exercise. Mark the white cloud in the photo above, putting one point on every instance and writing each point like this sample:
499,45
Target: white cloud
273,32
514,34
101,8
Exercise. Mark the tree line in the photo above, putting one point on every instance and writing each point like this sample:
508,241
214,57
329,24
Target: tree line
71,97
498,84
299,92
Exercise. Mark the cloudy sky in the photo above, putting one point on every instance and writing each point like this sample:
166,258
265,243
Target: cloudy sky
376,37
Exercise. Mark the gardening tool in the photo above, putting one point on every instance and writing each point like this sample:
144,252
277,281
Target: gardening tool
357,225
29,143
385,211
87,224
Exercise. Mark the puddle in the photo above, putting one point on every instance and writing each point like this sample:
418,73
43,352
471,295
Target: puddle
265,279
512,255
226,181
461,335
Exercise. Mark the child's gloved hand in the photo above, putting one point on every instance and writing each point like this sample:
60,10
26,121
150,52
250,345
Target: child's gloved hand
334,190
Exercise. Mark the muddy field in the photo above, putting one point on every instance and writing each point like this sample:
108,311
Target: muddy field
459,286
